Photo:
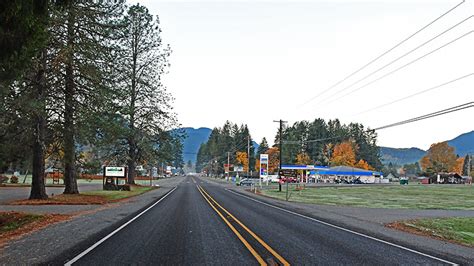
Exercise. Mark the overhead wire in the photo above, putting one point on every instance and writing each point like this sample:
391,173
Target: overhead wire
383,54
398,58
411,120
416,94
430,115
403,66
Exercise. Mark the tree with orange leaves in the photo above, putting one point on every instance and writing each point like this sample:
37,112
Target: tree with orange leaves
242,159
440,158
303,159
363,165
273,159
344,154
257,165
458,166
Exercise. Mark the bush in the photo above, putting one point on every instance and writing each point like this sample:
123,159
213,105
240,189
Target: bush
14,179
3,179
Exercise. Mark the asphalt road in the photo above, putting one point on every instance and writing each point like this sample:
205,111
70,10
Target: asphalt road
201,223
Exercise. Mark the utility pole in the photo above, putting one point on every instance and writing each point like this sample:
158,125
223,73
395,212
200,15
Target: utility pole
248,155
228,166
280,132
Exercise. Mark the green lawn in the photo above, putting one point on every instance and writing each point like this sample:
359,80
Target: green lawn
448,197
117,195
460,230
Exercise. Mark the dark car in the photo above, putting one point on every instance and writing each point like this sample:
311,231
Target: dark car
357,181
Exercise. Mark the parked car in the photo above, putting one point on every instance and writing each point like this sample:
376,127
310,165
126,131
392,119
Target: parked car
247,182
271,178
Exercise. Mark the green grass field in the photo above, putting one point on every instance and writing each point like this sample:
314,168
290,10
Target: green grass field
460,230
447,197
117,195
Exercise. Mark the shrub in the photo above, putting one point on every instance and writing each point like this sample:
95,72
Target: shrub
14,179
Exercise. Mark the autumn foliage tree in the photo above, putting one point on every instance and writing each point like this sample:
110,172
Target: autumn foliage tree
458,166
363,165
303,159
344,154
440,158
273,159
242,159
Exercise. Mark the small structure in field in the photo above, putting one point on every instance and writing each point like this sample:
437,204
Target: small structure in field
447,178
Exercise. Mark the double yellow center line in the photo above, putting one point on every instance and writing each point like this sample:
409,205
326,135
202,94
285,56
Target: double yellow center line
215,205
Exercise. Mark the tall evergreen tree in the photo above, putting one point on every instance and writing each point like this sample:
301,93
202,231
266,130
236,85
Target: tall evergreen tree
146,105
81,51
262,147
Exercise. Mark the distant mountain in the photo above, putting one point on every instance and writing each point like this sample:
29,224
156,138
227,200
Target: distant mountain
401,156
194,139
463,144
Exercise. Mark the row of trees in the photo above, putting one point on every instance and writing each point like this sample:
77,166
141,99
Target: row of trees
228,143
330,143
89,88
440,158
304,142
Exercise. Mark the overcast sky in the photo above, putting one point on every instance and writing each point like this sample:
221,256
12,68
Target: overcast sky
257,61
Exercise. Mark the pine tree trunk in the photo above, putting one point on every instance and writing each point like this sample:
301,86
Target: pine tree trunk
131,161
132,146
70,181
38,190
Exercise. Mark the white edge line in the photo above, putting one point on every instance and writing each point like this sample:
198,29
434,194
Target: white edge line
82,254
344,229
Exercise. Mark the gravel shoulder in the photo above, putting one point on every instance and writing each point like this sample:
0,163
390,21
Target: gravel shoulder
70,237
372,221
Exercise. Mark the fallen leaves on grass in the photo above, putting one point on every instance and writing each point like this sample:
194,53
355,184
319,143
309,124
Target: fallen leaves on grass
14,225
65,199
410,227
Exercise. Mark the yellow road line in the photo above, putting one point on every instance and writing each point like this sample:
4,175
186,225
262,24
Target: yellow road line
242,239
265,245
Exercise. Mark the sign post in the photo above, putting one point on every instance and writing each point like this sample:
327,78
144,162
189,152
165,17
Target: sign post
263,168
111,177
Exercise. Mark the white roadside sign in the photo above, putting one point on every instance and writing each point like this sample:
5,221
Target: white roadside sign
115,171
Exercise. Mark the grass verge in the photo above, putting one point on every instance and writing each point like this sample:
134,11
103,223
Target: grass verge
95,197
10,221
16,224
458,230
111,195
446,197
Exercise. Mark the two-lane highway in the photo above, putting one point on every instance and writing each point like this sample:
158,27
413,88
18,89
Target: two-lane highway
180,230
203,223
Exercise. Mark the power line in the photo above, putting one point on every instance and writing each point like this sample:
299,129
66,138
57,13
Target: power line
430,115
403,66
383,54
415,119
400,57
416,94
